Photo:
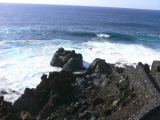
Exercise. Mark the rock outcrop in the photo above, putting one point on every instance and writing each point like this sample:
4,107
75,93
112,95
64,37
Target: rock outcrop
102,92
98,66
67,60
7,111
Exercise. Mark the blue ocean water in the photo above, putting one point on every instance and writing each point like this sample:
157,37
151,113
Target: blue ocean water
31,33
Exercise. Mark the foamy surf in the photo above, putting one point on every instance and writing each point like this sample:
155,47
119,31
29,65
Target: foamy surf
23,62
103,35
120,54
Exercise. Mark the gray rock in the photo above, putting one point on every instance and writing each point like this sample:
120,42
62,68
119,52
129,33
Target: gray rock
80,83
101,81
155,67
90,77
147,111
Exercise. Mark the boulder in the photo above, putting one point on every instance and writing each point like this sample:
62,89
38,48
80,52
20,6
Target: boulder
68,60
98,66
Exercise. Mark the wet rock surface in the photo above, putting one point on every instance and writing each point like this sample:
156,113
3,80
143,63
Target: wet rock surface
102,92
67,60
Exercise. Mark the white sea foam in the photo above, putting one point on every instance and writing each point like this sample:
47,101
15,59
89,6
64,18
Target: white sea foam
103,35
23,62
120,53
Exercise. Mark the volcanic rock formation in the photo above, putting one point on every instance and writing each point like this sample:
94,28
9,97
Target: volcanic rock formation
103,92
67,60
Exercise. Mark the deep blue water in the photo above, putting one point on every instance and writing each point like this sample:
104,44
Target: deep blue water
30,34
78,23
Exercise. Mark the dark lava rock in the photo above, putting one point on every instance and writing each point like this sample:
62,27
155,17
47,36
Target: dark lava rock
98,66
90,77
119,69
103,92
80,83
57,87
145,67
32,101
7,111
67,60
73,64
123,85
26,116
97,101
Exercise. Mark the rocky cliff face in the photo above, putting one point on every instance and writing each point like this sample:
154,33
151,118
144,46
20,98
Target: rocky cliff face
102,92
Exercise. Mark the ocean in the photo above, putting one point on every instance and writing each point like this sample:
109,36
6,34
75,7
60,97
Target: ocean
31,33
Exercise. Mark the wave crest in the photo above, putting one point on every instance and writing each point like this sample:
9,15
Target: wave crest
103,35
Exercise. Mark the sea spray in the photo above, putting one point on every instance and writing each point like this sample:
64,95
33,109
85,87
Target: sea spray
22,66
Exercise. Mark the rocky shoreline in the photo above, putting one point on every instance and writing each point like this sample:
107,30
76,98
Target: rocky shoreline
103,92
